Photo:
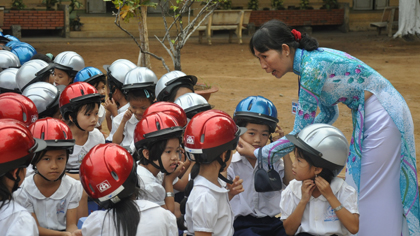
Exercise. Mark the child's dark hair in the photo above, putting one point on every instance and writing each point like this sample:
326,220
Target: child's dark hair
89,107
245,122
325,173
96,81
171,97
42,57
156,150
5,194
135,94
274,33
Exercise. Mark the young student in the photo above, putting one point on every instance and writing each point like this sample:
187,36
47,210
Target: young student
45,97
209,139
157,140
117,102
108,174
192,104
174,84
8,81
138,87
66,65
79,106
316,202
18,107
255,212
14,158
49,194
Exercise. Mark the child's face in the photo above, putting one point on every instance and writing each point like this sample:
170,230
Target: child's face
61,77
301,168
138,106
88,120
256,135
101,88
170,156
52,164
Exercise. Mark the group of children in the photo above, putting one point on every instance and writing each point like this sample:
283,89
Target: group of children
168,165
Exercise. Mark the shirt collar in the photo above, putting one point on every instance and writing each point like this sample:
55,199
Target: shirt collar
335,184
201,181
297,62
60,193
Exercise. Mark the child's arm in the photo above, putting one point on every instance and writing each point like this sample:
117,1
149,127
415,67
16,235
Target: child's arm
169,188
71,220
348,219
288,174
183,181
119,134
49,232
202,233
292,223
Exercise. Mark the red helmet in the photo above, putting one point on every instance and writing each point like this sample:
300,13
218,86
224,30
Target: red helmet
108,174
76,95
168,108
209,134
17,146
18,107
154,127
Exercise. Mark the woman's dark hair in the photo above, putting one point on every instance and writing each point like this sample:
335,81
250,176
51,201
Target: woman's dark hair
171,97
5,194
325,173
274,33
135,94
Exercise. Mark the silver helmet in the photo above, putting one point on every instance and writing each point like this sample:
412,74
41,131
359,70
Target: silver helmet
192,104
45,96
8,60
116,74
8,81
169,81
28,73
69,61
326,146
139,77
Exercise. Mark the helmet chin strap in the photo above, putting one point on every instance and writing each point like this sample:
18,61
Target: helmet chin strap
16,181
160,167
74,117
60,177
223,165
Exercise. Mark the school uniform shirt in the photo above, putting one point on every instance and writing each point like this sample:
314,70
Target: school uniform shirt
154,220
120,110
15,220
208,208
129,127
75,159
251,202
319,218
50,211
101,115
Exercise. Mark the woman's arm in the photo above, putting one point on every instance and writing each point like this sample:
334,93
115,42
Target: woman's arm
288,174
328,114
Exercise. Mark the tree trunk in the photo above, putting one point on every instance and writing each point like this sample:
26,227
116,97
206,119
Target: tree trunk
177,59
409,18
143,59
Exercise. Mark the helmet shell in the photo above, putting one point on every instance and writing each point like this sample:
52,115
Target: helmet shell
257,108
27,73
11,44
18,107
69,61
75,95
168,108
11,38
192,104
139,77
45,97
17,145
170,81
108,174
8,60
117,71
8,81
23,51
326,145
89,75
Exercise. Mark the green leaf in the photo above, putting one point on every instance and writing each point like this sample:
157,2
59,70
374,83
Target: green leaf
172,41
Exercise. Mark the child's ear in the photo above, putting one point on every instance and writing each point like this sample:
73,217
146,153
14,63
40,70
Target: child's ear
145,153
71,119
318,170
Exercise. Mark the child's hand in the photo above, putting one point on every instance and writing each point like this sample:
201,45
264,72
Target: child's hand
245,149
236,187
279,133
111,106
181,168
308,187
77,233
127,116
324,187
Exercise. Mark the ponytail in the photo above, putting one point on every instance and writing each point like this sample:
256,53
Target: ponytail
274,33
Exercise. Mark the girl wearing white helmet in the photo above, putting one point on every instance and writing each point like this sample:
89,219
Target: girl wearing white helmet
66,66
316,202
174,84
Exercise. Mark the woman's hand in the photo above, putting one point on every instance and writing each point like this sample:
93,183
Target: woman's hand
324,187
245,149
279,133
307,188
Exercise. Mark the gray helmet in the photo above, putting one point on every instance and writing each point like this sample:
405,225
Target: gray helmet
116,74
192,104
169,81
139,77
325,145
8,81
45,96
28,73
70,62
8,60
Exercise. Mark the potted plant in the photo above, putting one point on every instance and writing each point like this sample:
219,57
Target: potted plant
17,5
253,4
205,90
75,23
304,5
277,5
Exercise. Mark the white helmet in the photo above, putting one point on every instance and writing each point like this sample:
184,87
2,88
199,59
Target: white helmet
169,81
8,81
116,74
192,104
325,145
8,60
70,62
45,97
139,77
28,73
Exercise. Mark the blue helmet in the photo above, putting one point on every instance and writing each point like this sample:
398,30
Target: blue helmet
89,75
1,34
11,38
11,44
259,109
23,51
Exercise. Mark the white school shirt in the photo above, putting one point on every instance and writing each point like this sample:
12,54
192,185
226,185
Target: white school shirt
15,220
154,220
208,208
75,159
51,212
101,115
319,218
251,202
120,110
129,127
